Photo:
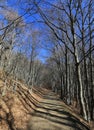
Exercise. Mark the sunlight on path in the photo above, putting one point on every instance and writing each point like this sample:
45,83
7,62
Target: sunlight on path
52,115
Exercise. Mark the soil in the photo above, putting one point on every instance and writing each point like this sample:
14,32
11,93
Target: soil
36,109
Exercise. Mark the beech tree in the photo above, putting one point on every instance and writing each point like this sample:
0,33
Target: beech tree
73,29
67,34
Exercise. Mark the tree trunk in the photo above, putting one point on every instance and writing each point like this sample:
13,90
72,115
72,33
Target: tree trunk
80,87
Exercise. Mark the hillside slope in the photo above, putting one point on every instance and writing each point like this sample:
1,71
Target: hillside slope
39,109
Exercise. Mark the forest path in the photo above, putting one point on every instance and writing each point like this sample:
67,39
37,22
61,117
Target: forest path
52,114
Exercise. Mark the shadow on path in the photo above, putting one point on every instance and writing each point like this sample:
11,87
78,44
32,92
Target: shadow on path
49,114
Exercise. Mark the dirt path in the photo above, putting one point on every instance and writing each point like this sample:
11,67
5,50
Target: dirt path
51,114
39,109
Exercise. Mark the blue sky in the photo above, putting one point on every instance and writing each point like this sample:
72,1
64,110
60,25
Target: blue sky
42,53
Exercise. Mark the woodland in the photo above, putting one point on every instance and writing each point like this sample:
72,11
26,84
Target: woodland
50,44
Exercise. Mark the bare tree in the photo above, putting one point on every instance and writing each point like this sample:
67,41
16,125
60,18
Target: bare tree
71,24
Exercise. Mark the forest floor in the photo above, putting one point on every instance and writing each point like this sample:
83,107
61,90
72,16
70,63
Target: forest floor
39,109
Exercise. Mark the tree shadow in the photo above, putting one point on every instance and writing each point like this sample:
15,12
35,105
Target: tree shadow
64,117
8,117
43,94
69,120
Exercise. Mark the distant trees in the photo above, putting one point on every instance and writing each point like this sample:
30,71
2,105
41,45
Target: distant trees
72,24
69,39
18,47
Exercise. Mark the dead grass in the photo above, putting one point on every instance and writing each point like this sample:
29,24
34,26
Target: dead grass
39,109
14,108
